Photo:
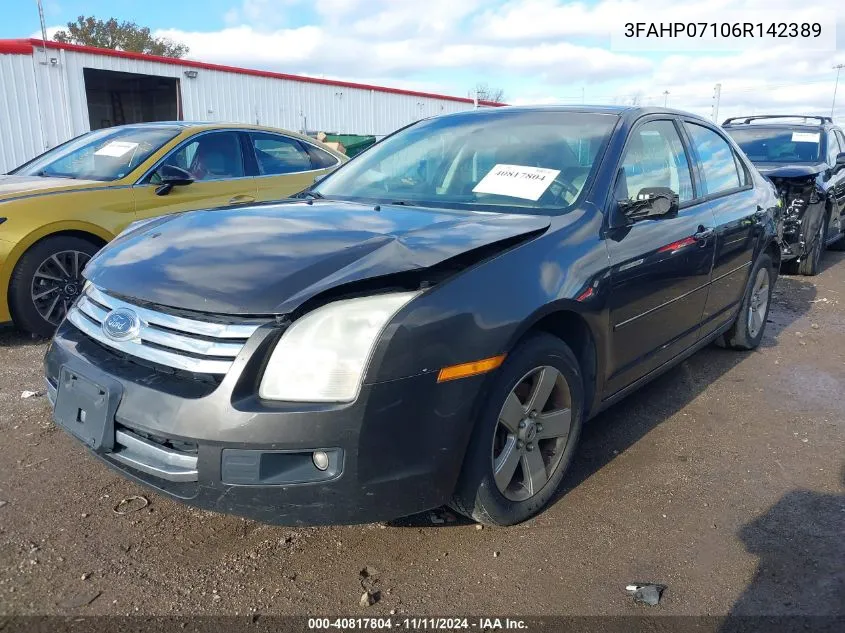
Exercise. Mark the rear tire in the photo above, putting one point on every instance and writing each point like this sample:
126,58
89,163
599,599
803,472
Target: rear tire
525,435
750,324
46,280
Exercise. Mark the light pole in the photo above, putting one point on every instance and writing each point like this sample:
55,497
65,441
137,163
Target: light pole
43,29
837,68
665,97
717,95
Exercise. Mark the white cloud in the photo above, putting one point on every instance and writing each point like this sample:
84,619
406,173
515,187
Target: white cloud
539,51
314,50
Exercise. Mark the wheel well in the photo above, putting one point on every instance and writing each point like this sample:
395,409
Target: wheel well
84,235
573,330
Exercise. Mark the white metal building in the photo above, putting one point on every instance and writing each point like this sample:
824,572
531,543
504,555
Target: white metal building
51,94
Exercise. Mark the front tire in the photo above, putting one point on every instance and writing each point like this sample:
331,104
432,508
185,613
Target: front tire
747,331
811,265
46,281
525,436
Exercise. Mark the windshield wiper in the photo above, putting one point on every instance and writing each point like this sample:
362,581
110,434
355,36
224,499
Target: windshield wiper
402,203
313,195
45,174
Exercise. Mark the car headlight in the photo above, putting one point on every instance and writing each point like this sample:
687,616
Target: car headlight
323,355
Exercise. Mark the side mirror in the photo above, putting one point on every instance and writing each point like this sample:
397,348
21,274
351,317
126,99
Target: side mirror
840,159
170,176
650,202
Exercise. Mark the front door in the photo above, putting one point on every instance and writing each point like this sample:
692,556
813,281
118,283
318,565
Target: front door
837,187
660,268
216,162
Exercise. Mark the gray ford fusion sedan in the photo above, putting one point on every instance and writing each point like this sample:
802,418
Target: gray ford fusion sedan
432,323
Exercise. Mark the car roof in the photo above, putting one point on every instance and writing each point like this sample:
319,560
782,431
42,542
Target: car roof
200,126
626,112
204,125
791,121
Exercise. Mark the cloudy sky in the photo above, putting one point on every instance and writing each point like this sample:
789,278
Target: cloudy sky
538,51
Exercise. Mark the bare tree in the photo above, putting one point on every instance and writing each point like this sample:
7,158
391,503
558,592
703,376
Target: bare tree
124,36
485,93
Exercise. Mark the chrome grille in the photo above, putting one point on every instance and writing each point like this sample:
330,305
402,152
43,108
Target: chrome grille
191,345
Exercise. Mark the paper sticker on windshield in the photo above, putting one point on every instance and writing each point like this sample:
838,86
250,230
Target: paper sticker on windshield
805,137
116,149
517,181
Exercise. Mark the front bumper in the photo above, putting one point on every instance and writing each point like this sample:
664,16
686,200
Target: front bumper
395,451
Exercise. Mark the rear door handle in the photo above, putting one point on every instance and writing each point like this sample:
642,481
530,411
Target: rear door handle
703,234
241,199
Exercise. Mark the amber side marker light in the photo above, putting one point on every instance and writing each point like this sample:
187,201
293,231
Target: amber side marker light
465,370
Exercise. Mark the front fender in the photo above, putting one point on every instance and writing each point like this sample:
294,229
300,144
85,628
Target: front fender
12,250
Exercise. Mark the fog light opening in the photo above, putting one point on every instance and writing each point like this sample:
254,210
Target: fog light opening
321,460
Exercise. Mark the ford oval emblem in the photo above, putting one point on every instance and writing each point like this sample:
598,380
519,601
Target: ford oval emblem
121,325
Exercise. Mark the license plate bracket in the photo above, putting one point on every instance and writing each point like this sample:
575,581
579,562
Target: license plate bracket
86,405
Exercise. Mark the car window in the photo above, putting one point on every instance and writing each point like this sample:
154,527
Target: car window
718,165
212,156
279,154
841,138
832,147
107,154
320,159
743,172
655,157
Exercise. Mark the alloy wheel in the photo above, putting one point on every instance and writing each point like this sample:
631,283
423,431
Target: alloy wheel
759,302
57,283
531,433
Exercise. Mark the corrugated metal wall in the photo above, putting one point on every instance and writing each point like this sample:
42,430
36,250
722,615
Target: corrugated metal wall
56,90
21,136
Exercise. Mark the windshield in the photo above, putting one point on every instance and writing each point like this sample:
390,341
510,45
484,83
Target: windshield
510,161
107,154
778,145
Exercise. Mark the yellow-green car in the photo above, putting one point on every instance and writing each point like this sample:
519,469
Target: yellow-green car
58,209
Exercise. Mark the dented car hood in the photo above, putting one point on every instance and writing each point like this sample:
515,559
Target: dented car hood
796,170
270,258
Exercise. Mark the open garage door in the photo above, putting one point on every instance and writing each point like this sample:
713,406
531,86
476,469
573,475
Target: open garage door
115,98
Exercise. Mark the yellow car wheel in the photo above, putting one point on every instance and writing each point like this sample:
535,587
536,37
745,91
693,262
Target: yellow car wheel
47,280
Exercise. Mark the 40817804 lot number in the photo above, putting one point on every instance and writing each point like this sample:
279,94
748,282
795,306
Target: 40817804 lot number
416,624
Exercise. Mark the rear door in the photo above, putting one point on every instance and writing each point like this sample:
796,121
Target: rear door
727,191
216,161
838,184
286,165
660,267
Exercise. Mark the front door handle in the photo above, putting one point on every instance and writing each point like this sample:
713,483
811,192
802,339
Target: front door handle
703,234
241,199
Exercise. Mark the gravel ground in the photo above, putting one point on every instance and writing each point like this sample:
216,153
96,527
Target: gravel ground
723,480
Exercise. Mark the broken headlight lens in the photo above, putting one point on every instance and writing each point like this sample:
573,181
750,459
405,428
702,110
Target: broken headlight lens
323,355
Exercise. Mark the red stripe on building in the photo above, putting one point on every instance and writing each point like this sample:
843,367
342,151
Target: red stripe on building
15,47
25,47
